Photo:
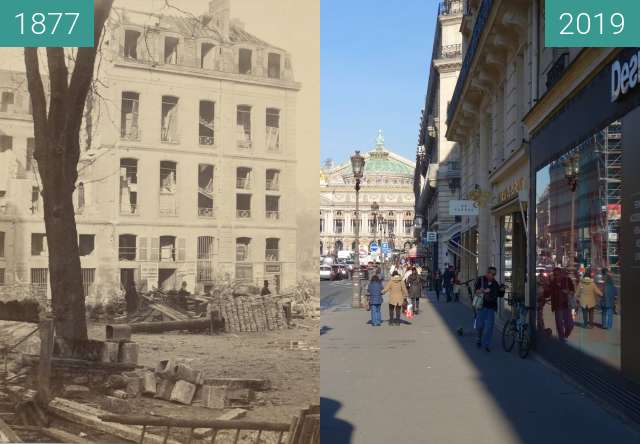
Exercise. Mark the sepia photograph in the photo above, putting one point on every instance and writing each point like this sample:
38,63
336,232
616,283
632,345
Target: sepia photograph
158,241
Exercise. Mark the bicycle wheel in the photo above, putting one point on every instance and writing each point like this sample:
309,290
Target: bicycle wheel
508,336
524,344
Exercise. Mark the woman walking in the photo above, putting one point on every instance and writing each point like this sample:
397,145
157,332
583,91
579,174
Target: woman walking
608,301
397,295
437,284
588,294
375,300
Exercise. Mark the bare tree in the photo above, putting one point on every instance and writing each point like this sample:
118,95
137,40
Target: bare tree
57,151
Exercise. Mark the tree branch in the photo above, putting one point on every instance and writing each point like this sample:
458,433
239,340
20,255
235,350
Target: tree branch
38,101
58,78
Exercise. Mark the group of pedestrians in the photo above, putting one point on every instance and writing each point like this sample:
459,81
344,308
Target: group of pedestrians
449,281
400,291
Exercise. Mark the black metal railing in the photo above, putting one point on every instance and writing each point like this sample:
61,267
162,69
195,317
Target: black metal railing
557,69
451,7
450,51
478,28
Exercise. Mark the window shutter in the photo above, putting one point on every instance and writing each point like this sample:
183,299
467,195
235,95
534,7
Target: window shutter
142,249
155,249
182,246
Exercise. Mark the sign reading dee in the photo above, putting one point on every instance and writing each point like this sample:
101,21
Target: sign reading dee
624,77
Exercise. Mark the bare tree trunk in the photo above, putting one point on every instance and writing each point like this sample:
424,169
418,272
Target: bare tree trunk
57,151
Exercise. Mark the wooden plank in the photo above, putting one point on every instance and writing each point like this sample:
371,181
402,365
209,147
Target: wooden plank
89,416
62,436
6,434
44,366
169,312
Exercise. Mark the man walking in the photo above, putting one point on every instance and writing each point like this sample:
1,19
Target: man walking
449,281
488,287
265,289
560,291
414,284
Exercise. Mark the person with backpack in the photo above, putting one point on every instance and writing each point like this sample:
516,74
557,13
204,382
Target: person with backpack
374,290
397,295
414,283
488,288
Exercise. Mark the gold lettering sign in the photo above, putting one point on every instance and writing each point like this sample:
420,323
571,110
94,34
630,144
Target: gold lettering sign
511,191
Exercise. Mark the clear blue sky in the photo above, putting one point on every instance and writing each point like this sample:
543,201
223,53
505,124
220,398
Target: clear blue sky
374,71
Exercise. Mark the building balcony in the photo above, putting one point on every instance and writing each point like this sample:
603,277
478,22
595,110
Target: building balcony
243,183
450,170
272,185
243,214
273,214
205,212
272,255
206,140
450,51
450,8
127,253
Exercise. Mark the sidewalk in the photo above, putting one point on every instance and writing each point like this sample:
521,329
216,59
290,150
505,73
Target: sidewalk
422,383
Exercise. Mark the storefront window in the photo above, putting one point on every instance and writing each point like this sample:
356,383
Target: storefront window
578,208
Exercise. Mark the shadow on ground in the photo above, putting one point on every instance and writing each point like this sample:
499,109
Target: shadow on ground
332,429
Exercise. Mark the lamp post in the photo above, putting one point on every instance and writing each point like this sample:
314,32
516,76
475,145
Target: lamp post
357,165
571,171
374,211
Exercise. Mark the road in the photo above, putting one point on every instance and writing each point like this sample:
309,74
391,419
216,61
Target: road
422,383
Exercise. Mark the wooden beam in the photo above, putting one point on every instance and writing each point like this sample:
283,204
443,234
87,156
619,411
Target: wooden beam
8,435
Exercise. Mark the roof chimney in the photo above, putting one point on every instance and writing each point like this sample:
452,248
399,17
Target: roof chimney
220,11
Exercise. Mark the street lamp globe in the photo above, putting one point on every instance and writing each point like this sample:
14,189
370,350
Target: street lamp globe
357,165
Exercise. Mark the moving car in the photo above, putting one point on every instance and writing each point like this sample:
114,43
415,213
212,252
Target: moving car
325,272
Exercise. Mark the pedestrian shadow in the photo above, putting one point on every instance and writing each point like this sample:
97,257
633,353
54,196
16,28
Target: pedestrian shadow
332,429
325,329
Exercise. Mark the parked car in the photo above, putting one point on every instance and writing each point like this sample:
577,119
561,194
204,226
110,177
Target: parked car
325,272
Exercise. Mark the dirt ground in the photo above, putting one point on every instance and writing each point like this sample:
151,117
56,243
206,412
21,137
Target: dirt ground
294,372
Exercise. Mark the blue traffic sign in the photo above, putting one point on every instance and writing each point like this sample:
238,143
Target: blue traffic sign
374,247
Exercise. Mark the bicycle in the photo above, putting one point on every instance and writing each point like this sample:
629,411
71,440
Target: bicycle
516,329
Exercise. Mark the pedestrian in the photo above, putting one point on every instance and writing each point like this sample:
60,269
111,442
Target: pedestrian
588,295
608,300
559,290
265,289
374,290
397,296
457,287
491,291
448,281
437,284
414,284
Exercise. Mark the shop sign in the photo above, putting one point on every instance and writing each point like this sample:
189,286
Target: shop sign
511,191
463,208
431,236
624,77
272,268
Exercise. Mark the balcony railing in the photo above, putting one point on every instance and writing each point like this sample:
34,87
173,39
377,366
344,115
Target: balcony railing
272,255
132,133
167,254
206,140
478,28
451,51
273,214
272,185
129,209
127,253
243,214
557,69
205,212
243,183
451,7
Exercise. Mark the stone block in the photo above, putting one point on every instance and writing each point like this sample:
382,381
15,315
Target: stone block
128,353
134,386
164,389
75,390
166,369
109,352
116,405
249,383
183,392
186,373
120,394
149,383
235,396
81,380
213,397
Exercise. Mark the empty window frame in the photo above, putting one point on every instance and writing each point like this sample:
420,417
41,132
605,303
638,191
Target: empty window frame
81,197
205,190
243,206
6,143
243,245
86,244
40,282
273,65
273,129
207,56
272,250
169,120
272,205
168,187
39,244
2,243
206,123
129,186
272,180
127,247
6,101
243,126
88,278
2,277
338,226
130,106
171,50
244,61
31,149
131,39
243,178
205,258
168,248
35,200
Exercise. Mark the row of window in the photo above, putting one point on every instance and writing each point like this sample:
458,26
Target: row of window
129,202
390,226
130,122
208,56
40,280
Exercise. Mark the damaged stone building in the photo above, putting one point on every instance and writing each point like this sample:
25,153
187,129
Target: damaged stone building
188,168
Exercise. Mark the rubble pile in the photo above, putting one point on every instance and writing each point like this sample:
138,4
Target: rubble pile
304,298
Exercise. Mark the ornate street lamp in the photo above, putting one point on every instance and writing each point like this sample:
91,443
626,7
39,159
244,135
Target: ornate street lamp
357,165
571,172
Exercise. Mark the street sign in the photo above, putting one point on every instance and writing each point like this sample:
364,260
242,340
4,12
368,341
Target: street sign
463,208
374,247
431,236
385,248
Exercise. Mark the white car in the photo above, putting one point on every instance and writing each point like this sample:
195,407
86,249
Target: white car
325,272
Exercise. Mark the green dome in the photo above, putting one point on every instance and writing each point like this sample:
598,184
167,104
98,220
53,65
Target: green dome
386,165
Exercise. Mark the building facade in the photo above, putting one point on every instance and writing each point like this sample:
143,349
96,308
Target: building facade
188,169
439,159
387,182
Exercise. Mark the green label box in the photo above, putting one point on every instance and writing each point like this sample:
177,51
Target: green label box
592,23
46,23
